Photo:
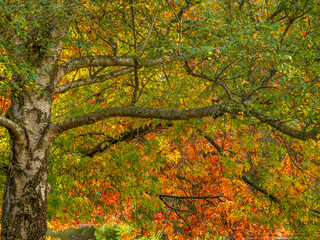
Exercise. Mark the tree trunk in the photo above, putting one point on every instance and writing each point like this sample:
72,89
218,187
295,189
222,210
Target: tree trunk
34,78
25,197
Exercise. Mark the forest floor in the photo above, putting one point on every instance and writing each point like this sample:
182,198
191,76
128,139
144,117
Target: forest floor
85,233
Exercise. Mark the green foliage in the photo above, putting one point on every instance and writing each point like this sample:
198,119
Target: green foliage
114,232
108,233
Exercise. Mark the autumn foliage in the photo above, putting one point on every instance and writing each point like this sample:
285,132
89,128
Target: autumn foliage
193,119
243,182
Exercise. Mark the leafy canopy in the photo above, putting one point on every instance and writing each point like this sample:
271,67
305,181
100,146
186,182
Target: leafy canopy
251,169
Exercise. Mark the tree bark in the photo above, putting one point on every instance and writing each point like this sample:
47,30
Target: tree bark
25,197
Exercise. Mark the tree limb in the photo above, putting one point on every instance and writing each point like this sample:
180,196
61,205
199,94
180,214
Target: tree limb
284,128
91,80
216,145
126,136
209,111
150,30
13,128
139,112
259,189
105,61
190,197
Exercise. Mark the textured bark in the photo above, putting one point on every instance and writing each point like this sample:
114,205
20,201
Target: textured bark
140,112
26,188
106,61
24,209
25,197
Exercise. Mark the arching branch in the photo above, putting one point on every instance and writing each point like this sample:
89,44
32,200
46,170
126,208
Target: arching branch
91,80
284,128
105,61
209,111
139,112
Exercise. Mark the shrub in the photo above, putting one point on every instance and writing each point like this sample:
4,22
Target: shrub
108,233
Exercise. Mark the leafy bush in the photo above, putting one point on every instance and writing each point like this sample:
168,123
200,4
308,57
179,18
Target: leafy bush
114,232
108,233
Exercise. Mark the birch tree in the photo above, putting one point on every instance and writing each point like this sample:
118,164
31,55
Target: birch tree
254,59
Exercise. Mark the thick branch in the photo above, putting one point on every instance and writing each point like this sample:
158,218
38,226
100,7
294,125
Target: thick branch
139,112
284,128
13,128
105,61
91,80
210,111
